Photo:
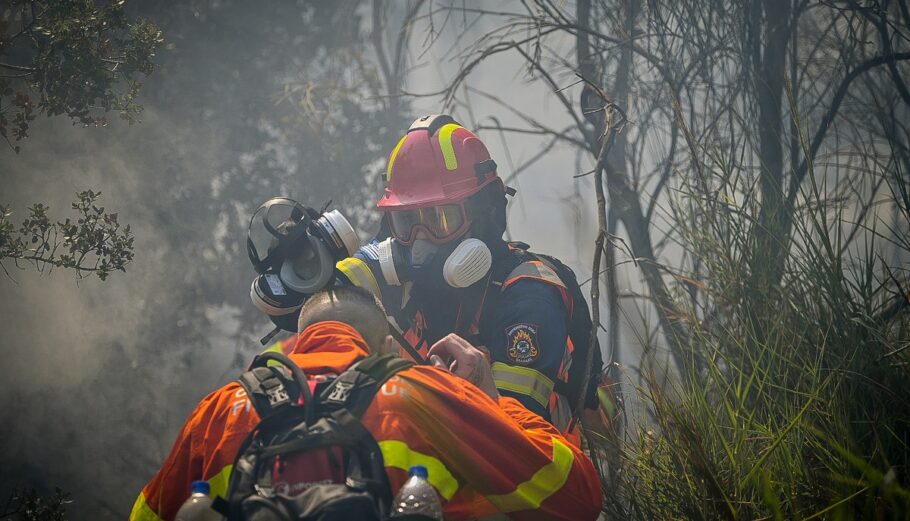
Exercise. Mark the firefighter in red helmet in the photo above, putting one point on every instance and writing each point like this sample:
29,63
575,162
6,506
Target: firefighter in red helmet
441,263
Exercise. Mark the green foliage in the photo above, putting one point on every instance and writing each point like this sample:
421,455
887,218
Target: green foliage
795,403
28,505
80,58
93,243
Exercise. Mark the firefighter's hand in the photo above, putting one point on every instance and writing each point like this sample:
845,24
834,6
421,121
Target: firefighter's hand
458,356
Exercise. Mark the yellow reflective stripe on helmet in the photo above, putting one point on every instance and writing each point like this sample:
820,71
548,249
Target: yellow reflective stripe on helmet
388,168
142,511
397,454
445,144
218,484
359,273
543,484
523,380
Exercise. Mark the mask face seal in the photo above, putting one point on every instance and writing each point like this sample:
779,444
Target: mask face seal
422,252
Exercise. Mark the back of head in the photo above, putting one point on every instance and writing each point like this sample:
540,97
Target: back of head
351,305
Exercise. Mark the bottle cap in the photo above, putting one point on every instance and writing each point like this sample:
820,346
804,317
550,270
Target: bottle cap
202,487
419,471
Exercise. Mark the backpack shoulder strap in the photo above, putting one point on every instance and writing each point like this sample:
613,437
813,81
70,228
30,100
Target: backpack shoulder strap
268,390
355,388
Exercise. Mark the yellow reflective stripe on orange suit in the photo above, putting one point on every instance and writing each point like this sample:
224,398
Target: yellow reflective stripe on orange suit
359,273
446,145
142,511
543,484
218,484
397,454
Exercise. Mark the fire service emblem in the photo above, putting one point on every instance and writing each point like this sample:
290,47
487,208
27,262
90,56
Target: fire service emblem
522,342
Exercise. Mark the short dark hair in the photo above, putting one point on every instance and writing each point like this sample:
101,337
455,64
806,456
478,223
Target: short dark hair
352,305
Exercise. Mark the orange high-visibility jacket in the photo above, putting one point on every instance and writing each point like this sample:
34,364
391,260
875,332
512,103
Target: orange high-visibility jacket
483,456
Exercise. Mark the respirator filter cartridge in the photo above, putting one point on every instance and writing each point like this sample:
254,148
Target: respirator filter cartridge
469,262
339,234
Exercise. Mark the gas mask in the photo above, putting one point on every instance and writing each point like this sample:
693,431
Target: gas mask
294,249
458,264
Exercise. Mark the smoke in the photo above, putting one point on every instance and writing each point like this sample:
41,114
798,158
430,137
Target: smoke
76,386
101,375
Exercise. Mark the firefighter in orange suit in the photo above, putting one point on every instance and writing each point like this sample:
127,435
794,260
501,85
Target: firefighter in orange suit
485,453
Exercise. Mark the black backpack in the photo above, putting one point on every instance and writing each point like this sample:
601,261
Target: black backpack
312,432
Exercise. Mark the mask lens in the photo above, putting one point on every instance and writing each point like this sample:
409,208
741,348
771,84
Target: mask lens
440,221
403,222
281,216
449,219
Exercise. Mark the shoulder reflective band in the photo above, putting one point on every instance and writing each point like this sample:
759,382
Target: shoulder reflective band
142,511
543,484
397,454
534,270
523,380
445,144
359,273
392,156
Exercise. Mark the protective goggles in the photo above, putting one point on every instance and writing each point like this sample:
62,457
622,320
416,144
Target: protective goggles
439,223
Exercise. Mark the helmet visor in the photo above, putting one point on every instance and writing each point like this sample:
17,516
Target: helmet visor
441,223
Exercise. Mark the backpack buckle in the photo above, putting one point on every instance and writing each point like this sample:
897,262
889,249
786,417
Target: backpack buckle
277,395
340,392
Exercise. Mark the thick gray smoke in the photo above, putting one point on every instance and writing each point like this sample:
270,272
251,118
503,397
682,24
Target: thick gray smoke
99,376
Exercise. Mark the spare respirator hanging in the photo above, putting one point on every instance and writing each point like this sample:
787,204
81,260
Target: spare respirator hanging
294,249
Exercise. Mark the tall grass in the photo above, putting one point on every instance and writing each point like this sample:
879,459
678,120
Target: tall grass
796,401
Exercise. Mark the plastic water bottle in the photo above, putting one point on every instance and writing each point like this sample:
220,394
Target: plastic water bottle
417,499
197,507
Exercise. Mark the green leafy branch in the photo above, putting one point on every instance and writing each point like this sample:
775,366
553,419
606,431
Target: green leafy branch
93,243
78,58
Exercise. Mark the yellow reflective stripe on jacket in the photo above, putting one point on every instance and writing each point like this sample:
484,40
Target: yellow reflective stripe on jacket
397,454
388,168
274,348
543,484
142,511
523,380
359,273
445,144
218,484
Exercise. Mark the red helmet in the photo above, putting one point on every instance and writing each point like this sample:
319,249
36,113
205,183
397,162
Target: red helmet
434,168
437,162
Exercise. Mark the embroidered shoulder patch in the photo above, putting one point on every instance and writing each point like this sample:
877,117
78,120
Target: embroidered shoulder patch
521,341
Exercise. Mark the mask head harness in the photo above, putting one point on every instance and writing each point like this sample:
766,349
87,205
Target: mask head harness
294,249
